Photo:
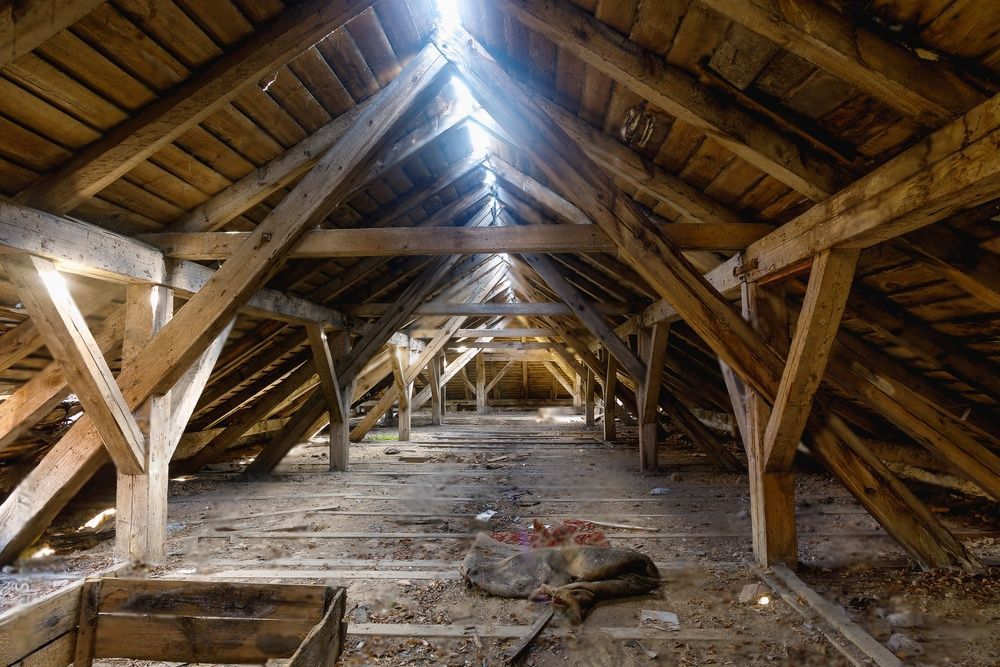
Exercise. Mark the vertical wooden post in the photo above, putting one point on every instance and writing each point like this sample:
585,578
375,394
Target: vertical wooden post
340,432
437,391
141,503
524,377
772,494
400,355
652,351
588,392
481,382
577,390
610,398
323,359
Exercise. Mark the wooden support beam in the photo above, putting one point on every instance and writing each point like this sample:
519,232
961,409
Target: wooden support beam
815,332
586,312
896,508
653,350
737,397
481,398
141,500
923,90
197,97
78,247
48,387
643,175
43,292
409,241
499,375
328,382
772,492
71,462
340,431
491,309
610,397
497,345
588,398
400,356
559,377
678,93
437,391
512,332
187,392
27,24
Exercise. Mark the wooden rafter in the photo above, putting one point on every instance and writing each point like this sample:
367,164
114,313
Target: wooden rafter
678,93
200,95
923,90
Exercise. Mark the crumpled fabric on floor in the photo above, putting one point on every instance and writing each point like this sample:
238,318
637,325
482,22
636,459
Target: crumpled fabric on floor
574,576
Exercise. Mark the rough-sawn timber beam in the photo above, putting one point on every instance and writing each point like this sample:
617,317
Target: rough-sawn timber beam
678,93
78,247
404,241
553,309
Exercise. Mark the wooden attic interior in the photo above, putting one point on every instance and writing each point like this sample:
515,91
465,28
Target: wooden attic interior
230,228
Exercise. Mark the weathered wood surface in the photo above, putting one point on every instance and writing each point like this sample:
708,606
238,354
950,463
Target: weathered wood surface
396,241
192,101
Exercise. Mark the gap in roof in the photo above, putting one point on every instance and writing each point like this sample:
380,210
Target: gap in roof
449,14
449,19
466,104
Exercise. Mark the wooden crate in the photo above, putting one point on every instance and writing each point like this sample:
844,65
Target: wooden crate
180,621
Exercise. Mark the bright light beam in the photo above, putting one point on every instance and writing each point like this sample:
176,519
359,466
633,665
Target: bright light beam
448,11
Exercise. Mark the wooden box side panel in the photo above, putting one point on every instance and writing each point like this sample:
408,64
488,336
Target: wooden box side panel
36,626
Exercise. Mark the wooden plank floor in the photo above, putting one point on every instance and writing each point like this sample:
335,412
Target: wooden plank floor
394,532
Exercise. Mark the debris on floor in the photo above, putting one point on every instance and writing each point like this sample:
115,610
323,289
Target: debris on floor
569,531
664,620
573,577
